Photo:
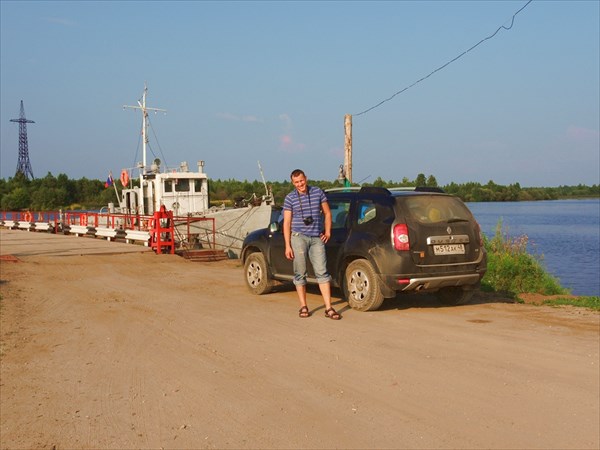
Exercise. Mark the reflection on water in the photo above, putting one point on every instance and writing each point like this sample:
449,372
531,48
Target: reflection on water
565,232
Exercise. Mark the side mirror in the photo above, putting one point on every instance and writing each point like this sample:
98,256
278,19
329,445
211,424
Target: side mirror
274,227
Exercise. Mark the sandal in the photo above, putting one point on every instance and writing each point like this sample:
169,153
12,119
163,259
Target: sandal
304,312
334,314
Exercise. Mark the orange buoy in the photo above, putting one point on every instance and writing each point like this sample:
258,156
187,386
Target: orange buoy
124,178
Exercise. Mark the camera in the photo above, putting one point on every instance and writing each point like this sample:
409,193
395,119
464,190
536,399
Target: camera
308,220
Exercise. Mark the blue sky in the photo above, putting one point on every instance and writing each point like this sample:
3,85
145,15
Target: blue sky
271,81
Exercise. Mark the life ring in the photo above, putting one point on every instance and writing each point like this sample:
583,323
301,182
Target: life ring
124,178
28,217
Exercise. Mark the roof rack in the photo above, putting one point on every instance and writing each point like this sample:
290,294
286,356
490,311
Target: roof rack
344,189
385,191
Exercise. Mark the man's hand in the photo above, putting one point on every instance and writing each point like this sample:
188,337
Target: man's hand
289,253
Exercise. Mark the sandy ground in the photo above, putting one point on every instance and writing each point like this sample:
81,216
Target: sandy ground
136,350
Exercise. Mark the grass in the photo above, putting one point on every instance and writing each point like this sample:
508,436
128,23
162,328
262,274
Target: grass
584,302
512,269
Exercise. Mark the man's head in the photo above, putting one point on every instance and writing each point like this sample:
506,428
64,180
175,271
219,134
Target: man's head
299,180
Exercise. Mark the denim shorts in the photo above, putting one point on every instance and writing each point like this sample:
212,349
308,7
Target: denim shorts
314,247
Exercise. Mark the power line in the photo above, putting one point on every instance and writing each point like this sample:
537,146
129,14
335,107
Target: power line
449,62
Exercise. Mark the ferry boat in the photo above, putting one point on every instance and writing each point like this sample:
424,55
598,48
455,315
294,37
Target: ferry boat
185,192
179,196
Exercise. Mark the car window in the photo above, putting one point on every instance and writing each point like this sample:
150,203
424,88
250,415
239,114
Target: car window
436,209
339,213
366,211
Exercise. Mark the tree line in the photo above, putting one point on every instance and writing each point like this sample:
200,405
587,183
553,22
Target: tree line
61,192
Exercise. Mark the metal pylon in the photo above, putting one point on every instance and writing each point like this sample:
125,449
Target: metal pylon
23,165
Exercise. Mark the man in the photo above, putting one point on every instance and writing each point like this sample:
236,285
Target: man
305,234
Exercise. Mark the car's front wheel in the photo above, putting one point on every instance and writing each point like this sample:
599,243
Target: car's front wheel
257,274
362,287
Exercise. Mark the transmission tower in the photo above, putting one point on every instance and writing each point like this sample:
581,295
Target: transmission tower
23,165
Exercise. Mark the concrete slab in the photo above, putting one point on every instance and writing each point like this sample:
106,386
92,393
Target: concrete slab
25,243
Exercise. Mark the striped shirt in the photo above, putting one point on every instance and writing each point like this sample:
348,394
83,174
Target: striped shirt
303,206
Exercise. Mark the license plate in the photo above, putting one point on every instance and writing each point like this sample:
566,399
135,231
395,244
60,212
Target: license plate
449,249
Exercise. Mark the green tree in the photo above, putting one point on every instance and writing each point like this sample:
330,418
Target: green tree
421,180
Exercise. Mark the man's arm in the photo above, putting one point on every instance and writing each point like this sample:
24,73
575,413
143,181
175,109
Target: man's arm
287,233
327,216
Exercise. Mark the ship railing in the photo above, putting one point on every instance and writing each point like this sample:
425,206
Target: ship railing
195,232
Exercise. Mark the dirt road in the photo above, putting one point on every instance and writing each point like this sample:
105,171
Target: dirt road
152,351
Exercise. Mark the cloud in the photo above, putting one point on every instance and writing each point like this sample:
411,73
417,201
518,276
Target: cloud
287,122
287,144
227,116
60,21
286,140
236,118
251,119
581,134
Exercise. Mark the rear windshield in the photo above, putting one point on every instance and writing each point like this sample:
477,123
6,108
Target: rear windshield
436,208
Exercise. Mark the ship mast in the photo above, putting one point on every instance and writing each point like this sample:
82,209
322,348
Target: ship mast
142,106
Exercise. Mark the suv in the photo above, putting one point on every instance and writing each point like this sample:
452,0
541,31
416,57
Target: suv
383,242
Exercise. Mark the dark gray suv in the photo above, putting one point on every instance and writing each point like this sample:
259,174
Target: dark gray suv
383,242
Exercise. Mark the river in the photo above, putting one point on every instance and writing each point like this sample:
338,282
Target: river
565,233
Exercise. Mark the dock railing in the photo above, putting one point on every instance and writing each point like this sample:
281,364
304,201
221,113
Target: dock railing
190,232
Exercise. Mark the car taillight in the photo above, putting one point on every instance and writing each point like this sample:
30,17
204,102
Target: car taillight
400,237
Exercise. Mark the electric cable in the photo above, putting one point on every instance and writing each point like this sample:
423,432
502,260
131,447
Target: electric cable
449,62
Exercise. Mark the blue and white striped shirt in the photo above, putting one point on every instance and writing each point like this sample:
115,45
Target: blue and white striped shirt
303,206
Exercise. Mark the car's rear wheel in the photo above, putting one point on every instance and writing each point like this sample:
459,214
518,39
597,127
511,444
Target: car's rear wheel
362,288
257,274
453,296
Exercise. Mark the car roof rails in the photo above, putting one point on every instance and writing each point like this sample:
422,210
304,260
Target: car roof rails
374,190
343,189
385,191
429,189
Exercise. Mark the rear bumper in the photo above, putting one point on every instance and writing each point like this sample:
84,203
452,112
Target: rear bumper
434,283
415,284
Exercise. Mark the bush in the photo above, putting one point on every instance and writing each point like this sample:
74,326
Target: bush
512,269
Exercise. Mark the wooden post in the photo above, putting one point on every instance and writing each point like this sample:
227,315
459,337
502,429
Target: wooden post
348,146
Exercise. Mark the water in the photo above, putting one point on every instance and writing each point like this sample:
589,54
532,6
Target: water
566,233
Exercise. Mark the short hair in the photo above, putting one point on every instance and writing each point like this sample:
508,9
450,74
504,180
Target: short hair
297,173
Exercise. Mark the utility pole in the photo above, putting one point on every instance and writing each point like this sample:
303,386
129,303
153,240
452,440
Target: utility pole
348,147
23,164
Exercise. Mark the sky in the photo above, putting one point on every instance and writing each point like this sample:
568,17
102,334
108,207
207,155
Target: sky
247,82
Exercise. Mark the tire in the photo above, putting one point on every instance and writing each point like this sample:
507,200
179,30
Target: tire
362,287
257,274
453,296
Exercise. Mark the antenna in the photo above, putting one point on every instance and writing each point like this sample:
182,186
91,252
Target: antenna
263,177
142,106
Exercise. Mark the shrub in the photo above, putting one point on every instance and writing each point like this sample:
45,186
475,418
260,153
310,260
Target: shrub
512,269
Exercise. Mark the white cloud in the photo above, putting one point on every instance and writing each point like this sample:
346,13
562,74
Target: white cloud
582,134
236,118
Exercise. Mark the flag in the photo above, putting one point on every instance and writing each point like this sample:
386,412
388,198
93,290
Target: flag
109,181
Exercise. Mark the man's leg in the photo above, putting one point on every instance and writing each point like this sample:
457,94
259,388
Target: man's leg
300,247
326,293
318,258
301,290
